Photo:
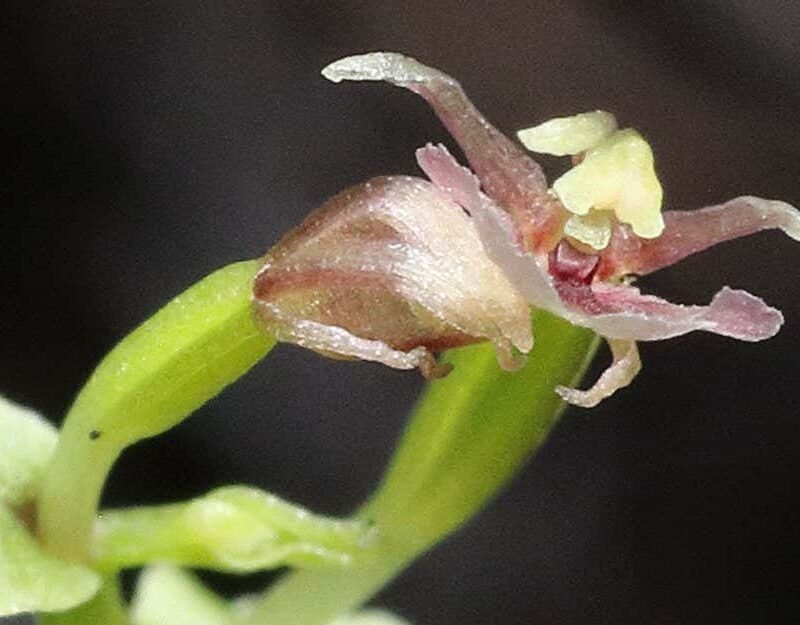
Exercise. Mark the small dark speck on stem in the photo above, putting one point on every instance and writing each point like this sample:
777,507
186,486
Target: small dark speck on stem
94,434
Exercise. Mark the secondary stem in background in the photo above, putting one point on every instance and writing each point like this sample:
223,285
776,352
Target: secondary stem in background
467,437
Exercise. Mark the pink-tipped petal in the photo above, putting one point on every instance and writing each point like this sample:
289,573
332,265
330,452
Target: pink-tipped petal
623,369
507,173
689,232
622,312
743,316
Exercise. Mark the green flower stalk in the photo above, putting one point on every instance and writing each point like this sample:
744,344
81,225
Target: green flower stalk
468,435
200,342
31,580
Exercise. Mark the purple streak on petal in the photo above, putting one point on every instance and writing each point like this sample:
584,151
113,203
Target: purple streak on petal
689,232
620,373
622,312
507,173
385,268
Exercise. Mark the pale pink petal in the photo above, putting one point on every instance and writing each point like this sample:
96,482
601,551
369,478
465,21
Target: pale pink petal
385,268
624,367
689,232
507,173
622,312
494,227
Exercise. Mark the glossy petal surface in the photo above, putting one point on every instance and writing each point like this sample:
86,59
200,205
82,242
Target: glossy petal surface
389,271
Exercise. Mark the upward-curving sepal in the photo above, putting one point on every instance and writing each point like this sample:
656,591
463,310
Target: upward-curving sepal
508,175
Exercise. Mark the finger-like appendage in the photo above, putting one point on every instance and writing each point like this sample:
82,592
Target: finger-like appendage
507,173
624,367
336,342
689,232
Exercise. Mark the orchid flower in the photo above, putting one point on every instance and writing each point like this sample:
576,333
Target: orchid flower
398,268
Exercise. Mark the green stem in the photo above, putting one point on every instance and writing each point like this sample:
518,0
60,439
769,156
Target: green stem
185,354
310,597
467,437
71,492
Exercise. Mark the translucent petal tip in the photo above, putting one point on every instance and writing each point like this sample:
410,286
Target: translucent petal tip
390,66
784,215
569,135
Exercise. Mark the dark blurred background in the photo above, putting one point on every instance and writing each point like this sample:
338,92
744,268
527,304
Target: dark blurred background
150,143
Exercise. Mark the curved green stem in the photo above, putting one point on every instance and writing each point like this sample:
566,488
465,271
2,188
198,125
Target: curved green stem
309,597
185,354
467,437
